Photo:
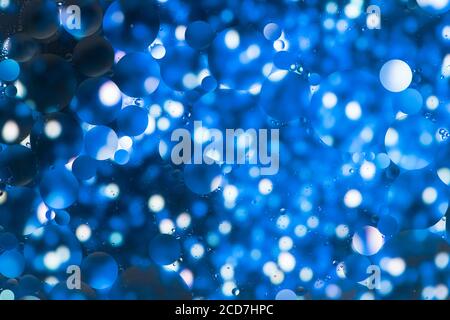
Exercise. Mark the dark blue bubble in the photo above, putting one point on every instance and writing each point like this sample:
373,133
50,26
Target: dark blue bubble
209,84
93,56
200,178
40,18
21,47
97,101
132,120
164,249
137,74
131,25
12,264
199,35
101,142
18,165
84,167
356,266
8,241
62,217
121,156
409,101
58,188
99,270
388,225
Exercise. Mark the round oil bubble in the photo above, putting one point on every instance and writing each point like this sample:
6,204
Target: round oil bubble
367,241
132,120
180,67
202,178
137,74
409,101
58,187
131,25
62,217
122,156
434,6
286,294
84,167
272,31
57,136
16,121
21,47
8,241
9,70
50,82
101,142
12,264
97,101
165,249
356,266
40,18
417,199
395,75
81,18
411,143
285,99
199,35
388,226
100,270
18,165
93,56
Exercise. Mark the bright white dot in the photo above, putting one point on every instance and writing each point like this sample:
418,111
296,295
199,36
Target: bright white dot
7,295
333,291
277,277
444,175
232,39
391,138
285,243
187,276
228,287
111,191
432,102
166,226
155,111
197,251
51,260
183,220
125,142
227,272
180,31
269,268
353,110
225,227
352,198
156,203
306,274
395,75
342,231
312,222
441,292
329,100
174,108
53,129
230,193
441,260
283,222
10,131
109,94
352,11
158,51
286,261
368,241
367,170
265,186
163,124
151,84
429,195
83,232
395,266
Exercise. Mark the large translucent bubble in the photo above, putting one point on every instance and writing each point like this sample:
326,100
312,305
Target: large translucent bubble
58,187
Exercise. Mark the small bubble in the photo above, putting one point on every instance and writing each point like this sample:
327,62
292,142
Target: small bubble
235,292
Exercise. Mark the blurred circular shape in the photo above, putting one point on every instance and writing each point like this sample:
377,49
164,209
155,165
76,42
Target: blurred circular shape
57,136
51,249
202,178
40,18
132,120
367,241
395,75
314,79
356,266
12,264
8,241
411,143
199,35
50,82
11,91
81,18
209,84
409,101
417,199
93,56
9,70
99,270
245,51
164,249
131,25
285,99
101,142
18,166
272,31
84,167
121,156
62,217
434,6
180,68
98,101
137,74
285,60
21,47
16,121
286,294
58,187
158,51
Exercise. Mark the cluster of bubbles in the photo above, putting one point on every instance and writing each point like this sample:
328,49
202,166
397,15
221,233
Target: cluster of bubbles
91,90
